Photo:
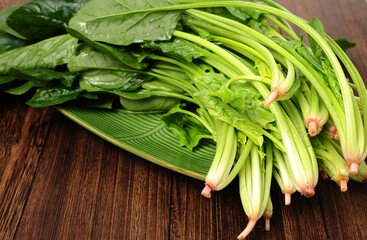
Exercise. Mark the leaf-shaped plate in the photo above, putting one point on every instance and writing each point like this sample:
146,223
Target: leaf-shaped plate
145,136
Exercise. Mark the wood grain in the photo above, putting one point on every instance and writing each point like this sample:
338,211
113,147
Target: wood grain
59,181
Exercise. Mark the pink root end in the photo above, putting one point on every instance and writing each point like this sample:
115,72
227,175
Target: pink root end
353,168
248,229
343,185
272,98
308,191
312,128
287,199
267,224
206,192
335,133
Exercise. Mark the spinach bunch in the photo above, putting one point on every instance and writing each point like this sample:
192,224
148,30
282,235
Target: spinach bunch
215,70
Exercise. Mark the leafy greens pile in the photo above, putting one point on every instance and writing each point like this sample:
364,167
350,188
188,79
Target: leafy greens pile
219,70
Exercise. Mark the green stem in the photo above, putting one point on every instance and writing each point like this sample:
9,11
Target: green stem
268,175
247,78
285,28
175,95
240,162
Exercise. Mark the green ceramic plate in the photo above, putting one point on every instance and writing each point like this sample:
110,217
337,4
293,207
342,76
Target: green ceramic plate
145,136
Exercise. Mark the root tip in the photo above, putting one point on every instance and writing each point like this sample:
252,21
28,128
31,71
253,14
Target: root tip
308,190
343,185
353,168
287,199
267,224
312,128
206,192
248,229
271,98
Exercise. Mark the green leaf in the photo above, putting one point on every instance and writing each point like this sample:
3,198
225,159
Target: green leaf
224,112
89,59
238,95
3,26
187,129
317,25
155,104
120,54
9,42
258,114
246,100
177,48
245,13
22,87
42,19
332,81
45,97
94,101
135,95
6,79
156,85
212,82
112,22
344,43
44,75
111,79
45,54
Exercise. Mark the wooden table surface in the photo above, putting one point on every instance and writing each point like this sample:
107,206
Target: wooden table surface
59,181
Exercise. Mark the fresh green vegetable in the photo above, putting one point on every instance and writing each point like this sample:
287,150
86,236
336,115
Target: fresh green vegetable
255,186
41,19
216,70
331,161
282,176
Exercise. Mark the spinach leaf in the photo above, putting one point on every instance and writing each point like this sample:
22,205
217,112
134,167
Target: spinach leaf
102,103
6,79
9,42
136,95
177,48
187,129
89,59
42,19
317,25
112,22
44,75
238,95
45,97
246,100
3,26
156,85
244,14
19,88
155,103
120,54
111,80
344,43
212,82
45,54
224,112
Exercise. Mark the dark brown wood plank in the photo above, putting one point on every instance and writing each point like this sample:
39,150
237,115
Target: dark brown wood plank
87,188
23,132
344,213
70,184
